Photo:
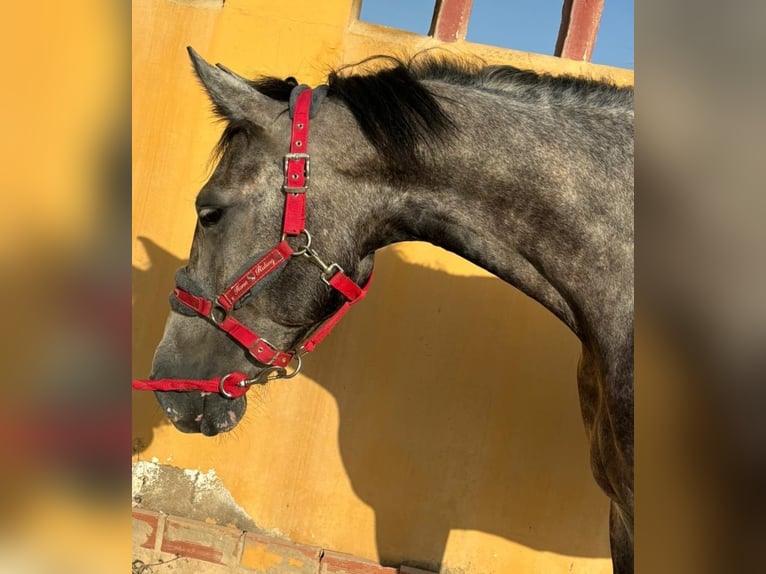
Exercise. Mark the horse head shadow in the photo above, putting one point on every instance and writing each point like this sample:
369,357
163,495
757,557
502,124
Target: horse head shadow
463,415
151,287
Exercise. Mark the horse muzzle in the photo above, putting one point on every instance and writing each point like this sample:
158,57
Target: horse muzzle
201,412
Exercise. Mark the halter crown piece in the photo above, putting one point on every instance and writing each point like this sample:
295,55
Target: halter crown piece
304,103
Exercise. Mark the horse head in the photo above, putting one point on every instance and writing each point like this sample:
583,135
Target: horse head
250,275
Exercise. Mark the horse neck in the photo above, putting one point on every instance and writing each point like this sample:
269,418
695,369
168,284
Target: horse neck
539,195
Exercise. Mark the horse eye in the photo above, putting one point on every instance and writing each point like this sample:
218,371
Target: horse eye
210,216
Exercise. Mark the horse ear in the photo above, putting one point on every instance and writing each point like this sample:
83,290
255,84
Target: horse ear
233,97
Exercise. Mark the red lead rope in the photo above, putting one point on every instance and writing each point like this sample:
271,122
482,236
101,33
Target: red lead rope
217,310
231,385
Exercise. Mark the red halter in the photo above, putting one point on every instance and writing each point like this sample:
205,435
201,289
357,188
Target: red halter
217,311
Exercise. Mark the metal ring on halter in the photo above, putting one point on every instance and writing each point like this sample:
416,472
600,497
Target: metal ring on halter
306,247
297,368
222,390
218,308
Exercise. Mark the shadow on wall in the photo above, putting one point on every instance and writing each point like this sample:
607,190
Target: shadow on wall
463,416
151,288
458,409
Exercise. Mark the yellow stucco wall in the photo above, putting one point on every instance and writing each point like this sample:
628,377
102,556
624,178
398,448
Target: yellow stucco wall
482,468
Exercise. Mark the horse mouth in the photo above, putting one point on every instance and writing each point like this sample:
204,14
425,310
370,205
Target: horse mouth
202,415
206,425
210,426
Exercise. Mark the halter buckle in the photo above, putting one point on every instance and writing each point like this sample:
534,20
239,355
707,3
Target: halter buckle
306,172
262,341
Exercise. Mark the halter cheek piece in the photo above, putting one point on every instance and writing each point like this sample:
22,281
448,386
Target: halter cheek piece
188,298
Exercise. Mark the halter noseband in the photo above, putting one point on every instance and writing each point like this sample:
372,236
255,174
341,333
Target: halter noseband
303,104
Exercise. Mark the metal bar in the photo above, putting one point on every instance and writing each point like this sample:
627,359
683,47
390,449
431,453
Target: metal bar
579,26
450,21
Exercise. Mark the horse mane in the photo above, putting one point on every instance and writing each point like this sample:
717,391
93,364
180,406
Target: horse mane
403,120
524,85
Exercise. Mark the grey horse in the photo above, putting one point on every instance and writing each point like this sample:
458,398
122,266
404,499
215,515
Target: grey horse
528,176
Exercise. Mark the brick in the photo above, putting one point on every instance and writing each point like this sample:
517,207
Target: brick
145,528
201,541
173,565
336,563
272,556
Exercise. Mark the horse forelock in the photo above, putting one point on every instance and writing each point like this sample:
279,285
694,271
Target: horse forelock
233,129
